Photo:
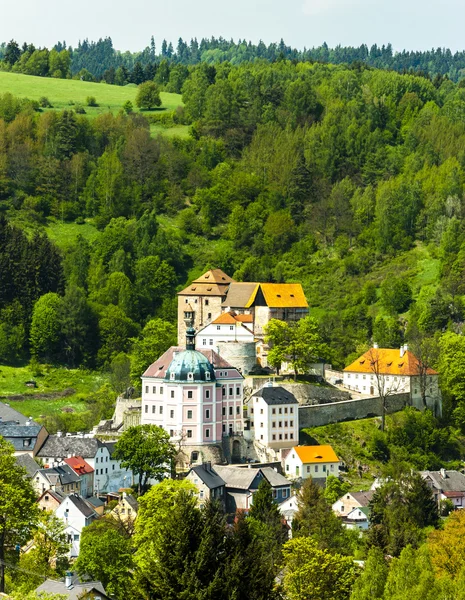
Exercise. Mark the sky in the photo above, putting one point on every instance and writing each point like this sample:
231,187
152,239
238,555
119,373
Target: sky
410,24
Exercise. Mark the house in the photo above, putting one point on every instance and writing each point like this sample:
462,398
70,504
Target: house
273,417
204,296
109,476
127,508
288,508
209,484
228,327
195,396
311,461
73,589
25,435
446,485
391,371
76,514
352,500
61,478
241,484
97,504
357,518
85,472
25,461
50,500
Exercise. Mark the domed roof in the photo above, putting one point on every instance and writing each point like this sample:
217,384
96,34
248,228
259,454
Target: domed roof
190,366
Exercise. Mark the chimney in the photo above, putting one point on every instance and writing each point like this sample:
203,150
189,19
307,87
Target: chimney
59,434
405,348
402,351
69,579
375,345
443,473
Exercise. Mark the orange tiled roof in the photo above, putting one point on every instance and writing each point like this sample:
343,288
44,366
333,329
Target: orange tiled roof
316,454
244,318
281,295
387,361
229,318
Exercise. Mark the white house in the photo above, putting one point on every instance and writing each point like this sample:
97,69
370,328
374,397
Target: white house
350,501
446,485
195,396
60,478
288,508
228,327
76,514
358,518
391,371
274,417
310,461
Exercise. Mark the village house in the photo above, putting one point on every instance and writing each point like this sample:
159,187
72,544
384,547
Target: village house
109,476
85,473
242,483
25,461
50,500
288,508
446,485
209,484
228,327
358,518
76,514
73,589
350,501
311,461
387,371
273,417
60,478
126,508
23,433
196,396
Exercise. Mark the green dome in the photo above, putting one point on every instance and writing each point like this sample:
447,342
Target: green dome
190,366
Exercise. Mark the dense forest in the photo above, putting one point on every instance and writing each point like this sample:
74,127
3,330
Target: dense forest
100,61
349,180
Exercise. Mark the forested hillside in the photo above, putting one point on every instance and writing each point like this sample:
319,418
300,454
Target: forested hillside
100,60
348,180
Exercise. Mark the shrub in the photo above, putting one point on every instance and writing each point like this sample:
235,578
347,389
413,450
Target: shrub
91,101
44,102
80,110
128,107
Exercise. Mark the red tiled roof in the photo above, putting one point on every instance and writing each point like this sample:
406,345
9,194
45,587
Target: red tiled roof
159,367
79,465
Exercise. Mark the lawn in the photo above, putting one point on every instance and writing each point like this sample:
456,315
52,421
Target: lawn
65,234
53,380
66,93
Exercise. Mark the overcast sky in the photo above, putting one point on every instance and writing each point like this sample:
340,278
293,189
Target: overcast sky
411,24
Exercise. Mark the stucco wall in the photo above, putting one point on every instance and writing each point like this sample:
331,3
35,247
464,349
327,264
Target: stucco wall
349,410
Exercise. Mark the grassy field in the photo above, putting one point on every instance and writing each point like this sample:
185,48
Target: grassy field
12,382
64,93
65,234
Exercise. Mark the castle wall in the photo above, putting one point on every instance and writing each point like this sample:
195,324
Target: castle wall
239,354
206,309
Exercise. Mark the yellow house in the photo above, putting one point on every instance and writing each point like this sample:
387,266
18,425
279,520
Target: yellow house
126,509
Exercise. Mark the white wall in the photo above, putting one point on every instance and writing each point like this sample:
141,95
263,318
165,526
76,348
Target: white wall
294,467
275,426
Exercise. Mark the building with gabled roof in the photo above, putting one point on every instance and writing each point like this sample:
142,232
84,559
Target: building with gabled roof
50,500
446,485
61,478
73,589
76,513
85,473
351,501
387,371
311,461
210,486
23,433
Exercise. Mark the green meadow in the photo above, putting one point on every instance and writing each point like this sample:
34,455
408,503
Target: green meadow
66,93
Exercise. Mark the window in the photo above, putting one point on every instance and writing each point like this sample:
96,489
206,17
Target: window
274,436
189,414
171,432
204,342
291,423
146,410
189,394
207,433
291,410
238,410
207,413
324,468
218,327
76,537
261,437
285,410
154,390
153,409
342,508
189,433
285,423
287,468
284,493
190,376
207,394
238,391
201,494
46,497
26,443
224,428
106,470
230,391
223,392
308,469
316,468
285,436
161,390
113,467
206,302
161,410
207,376
273,424
146,389
280,424
172,393
291,436
231,327
280,436
194,457
209,316
261,424
210,342
332,467
261,411
171,414
172,376
280,411
230,411
224,411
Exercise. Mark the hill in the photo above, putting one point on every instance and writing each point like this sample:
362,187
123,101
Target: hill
69,93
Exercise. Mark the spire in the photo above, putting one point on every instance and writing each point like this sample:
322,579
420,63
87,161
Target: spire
190,331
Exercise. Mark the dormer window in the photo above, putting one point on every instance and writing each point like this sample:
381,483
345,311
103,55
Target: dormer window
190,376
172,376
207,376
